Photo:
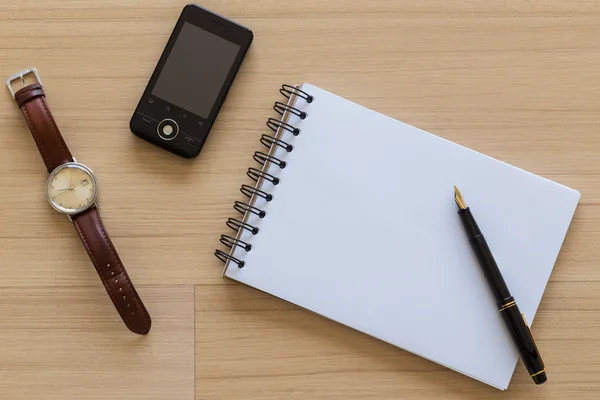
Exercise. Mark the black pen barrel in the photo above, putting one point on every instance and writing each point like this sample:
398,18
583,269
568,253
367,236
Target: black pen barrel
486,259
507,306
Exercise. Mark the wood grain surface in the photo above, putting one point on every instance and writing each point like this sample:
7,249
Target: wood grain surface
517,80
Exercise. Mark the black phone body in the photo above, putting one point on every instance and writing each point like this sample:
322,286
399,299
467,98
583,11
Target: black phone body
190,83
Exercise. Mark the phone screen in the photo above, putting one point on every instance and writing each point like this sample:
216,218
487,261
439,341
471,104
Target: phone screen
195,70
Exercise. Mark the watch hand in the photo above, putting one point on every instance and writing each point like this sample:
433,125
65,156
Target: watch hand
62,192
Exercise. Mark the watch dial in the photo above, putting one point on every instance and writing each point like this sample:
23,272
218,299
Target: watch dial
71,189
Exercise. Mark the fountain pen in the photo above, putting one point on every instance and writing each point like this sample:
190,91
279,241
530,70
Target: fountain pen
507,306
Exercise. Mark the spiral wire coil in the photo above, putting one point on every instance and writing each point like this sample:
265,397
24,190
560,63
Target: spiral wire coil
271,142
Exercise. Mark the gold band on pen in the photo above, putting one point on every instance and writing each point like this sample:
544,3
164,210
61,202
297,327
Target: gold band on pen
508,305
539,372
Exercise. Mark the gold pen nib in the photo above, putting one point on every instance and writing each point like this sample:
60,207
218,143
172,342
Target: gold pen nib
459,200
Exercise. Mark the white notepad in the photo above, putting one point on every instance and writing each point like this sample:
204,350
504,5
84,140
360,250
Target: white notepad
363,229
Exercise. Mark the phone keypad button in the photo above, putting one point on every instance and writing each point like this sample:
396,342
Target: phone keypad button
190,140
167,129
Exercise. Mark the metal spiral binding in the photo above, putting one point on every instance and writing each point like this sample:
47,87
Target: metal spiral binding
260,175
282,108
276,124
268,141
244,208
221,255
236,225
288,91
263,158
230,242
256,174
250,192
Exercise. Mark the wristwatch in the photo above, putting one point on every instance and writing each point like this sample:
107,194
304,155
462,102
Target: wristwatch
72,189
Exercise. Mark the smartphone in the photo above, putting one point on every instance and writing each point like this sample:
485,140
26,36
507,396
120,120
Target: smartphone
190,83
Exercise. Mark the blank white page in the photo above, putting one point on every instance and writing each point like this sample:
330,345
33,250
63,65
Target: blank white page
363,229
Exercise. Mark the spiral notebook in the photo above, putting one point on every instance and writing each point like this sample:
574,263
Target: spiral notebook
351,215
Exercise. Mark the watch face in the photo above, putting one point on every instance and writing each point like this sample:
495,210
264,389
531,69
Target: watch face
71,188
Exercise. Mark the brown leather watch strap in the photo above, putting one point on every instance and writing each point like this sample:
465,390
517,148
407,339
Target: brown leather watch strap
54,151
111,271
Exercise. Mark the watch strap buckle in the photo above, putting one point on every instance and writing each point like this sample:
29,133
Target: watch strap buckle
21,76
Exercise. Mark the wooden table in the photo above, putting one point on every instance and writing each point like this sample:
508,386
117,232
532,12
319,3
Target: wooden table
517,80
